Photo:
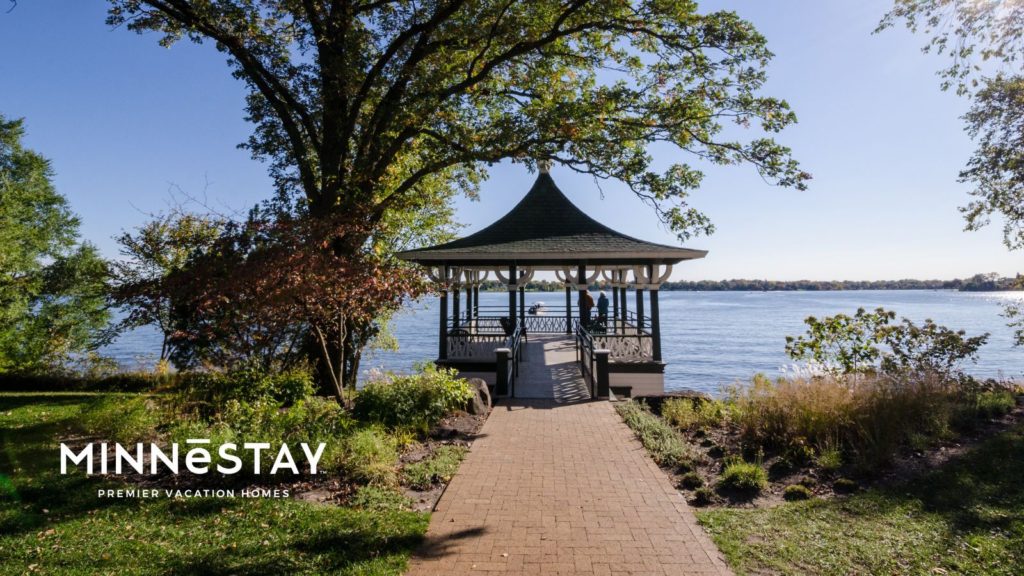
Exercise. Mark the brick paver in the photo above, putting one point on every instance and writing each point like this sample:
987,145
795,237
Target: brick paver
562,488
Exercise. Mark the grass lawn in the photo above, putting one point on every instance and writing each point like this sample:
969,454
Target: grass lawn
53,524
965,518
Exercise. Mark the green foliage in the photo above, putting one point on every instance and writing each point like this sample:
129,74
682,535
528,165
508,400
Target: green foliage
154,252
694,413
416,102
844,344
662,441
841,344
173,536
213,390
691,481
378,499
371,457
703,496
830,458
438,468
797,492
417,401
52,288
1014,312
845,486
123,419
745,477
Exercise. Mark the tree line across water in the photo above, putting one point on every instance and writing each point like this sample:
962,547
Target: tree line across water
977,283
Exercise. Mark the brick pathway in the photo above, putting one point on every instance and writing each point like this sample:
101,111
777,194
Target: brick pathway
553,488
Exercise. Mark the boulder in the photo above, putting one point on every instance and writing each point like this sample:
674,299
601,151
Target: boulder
480,403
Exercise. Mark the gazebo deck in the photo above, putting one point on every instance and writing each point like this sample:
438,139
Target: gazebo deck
549,370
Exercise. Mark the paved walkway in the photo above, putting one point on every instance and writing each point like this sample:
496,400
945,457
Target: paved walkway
549,370
562,488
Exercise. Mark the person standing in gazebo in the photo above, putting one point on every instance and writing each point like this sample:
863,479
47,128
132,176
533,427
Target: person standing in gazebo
602,307
586,305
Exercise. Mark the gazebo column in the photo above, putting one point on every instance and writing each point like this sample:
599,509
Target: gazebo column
655,318
568,308
615,297
639,308
581,283
512,275
442,337
469,304
456,308
476,300
522,299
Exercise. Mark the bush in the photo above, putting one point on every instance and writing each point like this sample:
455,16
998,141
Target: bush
845,486
830,458
693,413
703,496
212,390
122,419
118,382
744,477
417,401
371,456
440,467
662,441
377,499
691,481
797,492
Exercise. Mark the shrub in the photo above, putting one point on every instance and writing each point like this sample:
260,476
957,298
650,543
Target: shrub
417,401
693,413
438,468
377,499
744,477
122,419
845,486
703,496
797,492
371,456
691,481
662,441
212,390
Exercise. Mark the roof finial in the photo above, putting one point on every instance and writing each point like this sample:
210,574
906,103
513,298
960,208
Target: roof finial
544,165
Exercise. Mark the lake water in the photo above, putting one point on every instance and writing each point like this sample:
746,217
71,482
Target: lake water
713,338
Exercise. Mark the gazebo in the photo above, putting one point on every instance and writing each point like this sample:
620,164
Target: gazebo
618,354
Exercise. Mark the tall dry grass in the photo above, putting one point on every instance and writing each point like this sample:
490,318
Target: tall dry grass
867,417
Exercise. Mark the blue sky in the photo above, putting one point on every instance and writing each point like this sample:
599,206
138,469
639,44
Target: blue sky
123,120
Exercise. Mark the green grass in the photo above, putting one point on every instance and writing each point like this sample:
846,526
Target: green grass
439,467
661,440
53,524
966,518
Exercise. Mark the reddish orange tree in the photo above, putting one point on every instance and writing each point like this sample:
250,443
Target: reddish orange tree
274,284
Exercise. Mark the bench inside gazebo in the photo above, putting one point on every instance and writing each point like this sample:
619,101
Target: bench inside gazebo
619,354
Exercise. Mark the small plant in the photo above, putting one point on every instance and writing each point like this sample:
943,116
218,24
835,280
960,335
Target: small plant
797,492
745,477
829,459
377,499
662,441
371,456
703,496
440,467
691,481
845,486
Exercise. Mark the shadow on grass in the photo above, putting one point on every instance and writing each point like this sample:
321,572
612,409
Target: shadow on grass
981,492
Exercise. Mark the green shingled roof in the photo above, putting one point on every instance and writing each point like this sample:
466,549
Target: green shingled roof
546,228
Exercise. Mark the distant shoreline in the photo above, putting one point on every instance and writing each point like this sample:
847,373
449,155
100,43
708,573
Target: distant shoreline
977,283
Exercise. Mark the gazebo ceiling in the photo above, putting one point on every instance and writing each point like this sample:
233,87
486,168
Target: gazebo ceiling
546,229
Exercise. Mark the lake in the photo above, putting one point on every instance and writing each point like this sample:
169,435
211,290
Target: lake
710,339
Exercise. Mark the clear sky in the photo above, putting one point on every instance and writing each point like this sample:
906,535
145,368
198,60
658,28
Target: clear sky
124,119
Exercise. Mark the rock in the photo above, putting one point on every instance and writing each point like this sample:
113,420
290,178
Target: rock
480,403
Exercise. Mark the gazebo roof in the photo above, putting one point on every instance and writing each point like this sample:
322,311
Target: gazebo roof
545,228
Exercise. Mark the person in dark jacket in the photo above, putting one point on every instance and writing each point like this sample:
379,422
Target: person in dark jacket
586,305
602,307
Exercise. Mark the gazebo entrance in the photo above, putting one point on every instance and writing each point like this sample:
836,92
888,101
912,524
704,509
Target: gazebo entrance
617,353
